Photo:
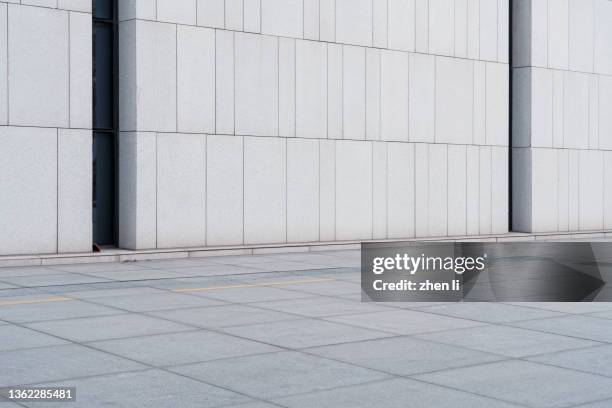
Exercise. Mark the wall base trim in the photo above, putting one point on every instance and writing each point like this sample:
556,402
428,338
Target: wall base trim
125,255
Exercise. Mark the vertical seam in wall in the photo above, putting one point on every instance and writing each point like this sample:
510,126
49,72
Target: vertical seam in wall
335,191
372,189
558,201
8,67
554,94
303,20
564,77
414,190
486,111
205,156
466,190
243,172
176,78
435,126
415,26
215,79
294,88
478,149
286,191
497,59
243,28
491,186
278,85
156,184
342,47
326,89
335,21
379,52
387,189
319,19
57,187
387,28
547,34
372,22
69,71
234,81
474,84
454,28
365,93
408,82
319,186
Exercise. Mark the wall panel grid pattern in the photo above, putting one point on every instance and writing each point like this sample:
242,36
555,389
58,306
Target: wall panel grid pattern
562,127
326,120
198,190
45,126
199,80
475,29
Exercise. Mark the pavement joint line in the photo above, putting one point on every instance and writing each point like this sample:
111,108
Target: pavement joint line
252,285
36,301
150,366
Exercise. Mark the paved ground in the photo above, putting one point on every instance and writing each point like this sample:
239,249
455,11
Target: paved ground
287,330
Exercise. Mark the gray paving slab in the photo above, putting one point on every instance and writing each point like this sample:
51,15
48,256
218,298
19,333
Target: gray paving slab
490,312
404,355
99,267
303,333
327,288
27,271
584,327
251,294
108,327
397,393
241,259
507,341
569,307
279,265
596,360
182,348
404,321
599,404
174,263
223,316
135,275
96,292
151,388
57,363
279,374
526,383
156,301
602,315
212,270
254,405
15,337
324,306
4,286
23,313
51,280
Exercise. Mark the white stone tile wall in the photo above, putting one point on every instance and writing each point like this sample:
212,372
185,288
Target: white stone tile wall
322,120
45,126
562,89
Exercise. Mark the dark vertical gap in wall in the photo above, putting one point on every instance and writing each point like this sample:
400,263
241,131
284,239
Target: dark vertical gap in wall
105,121
510,109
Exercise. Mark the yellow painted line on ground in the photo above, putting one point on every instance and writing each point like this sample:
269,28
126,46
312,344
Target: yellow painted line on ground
33,302
253,285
